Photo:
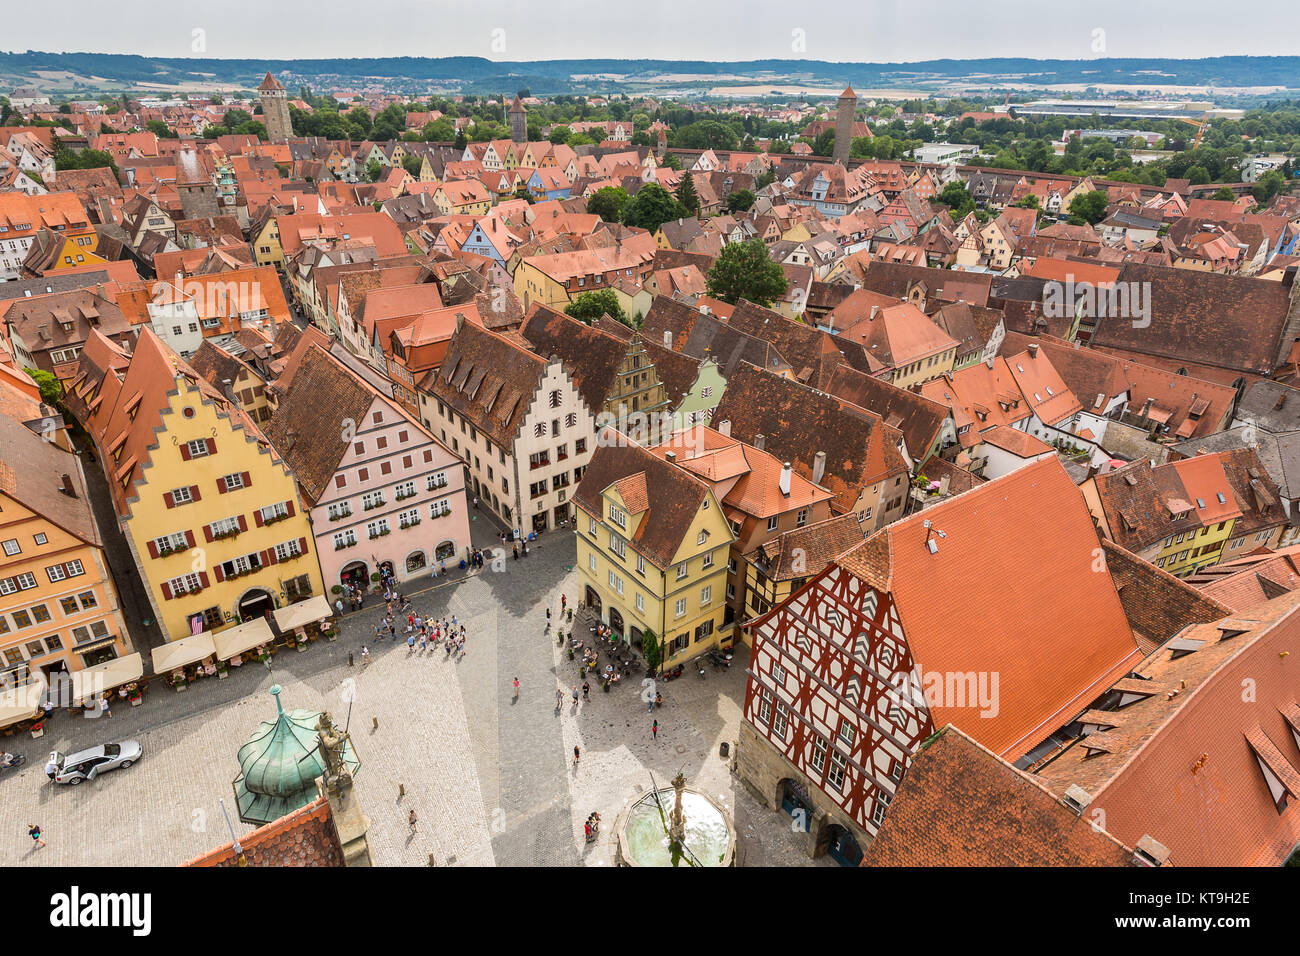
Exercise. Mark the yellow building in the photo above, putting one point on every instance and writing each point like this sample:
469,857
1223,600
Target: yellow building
267,250
462,197
211,513
59,611
652,550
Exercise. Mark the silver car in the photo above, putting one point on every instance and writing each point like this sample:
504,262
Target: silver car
89,764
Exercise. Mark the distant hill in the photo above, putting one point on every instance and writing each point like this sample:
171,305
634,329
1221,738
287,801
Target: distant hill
555,76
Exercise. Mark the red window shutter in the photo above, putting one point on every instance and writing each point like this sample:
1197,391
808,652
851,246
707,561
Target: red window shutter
257,517
189,538
207,532
185,452
203,578
289,508
168,500
221,486
302,545
428,455
269,557
221,576
248,481
194,492
153,549
340,481
406,461
243,523
166,591
385,468
212,446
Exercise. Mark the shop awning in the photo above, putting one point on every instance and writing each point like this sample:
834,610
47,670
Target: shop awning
20,703
304,612
242,637
93,681
188,650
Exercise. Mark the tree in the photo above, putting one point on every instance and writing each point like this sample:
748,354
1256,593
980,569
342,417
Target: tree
1089,207
651,649
608,203
824,145
374,169
1197,175
957,199
745,270
651,207
1224,193
740,200
590,306
560,134
686,194
48,383
1027,202
671,161
412,164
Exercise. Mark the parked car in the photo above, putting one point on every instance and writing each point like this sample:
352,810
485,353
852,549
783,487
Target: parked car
89,764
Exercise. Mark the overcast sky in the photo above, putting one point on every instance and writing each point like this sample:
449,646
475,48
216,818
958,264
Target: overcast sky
840,30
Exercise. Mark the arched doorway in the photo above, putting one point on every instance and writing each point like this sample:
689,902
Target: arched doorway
794,801
254,604
445,551
843,846
415,561
593,600
355,574
616,621
539,522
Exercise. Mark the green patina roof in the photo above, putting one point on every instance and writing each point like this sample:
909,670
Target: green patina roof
279,765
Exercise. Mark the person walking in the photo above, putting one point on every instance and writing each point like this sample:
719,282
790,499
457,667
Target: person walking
564,600
34,829
516,688
365,655
586,690
103,708
654,730
575,695
559,698
577,755
412,820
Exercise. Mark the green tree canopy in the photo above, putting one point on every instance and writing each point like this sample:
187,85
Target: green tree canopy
651,207
590,306
686,194
1089,207
608,203
48,383
745,270
740,200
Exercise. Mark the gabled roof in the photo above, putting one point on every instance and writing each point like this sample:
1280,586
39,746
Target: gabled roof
1051,666
797,422
667,497
963,805
918,418
32,473
592,357
802,552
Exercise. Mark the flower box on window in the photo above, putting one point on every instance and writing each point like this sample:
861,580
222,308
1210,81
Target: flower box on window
274,518
402,497
343,544
371,506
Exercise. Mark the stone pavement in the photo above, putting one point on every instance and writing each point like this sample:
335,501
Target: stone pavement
490,777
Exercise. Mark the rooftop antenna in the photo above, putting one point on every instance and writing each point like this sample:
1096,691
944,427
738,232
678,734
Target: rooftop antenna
930,533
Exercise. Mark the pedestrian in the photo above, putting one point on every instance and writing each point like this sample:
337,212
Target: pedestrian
577,755
103,708
516,688
51,768
559,698
575,695
654,730
34,831
586,690
476,502
411,819
564,600
410,644
338,607
516,547
365,655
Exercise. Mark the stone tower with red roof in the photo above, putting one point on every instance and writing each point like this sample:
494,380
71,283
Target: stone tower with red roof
275,109
847,104
518,121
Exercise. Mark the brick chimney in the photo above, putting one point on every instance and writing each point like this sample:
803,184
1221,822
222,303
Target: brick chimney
819,467
68,488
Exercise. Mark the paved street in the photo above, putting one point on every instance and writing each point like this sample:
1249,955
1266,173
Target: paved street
490,777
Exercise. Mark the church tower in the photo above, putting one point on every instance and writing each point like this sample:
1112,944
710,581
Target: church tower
275,109
518,121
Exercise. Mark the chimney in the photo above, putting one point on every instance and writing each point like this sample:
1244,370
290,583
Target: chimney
668,338
724,428
819,467
228,389
943,484
784,482
1033,350
874,310
671,457
759,442
68,488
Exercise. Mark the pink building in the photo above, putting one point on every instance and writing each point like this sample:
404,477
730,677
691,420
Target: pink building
383,492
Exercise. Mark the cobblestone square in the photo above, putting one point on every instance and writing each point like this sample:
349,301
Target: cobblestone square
491,776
